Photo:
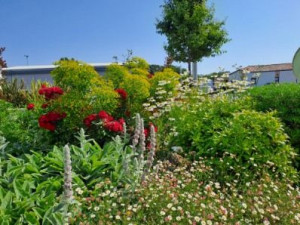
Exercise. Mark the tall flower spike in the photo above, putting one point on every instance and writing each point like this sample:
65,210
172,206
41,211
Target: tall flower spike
142,145
125,131
136,136
68,192
151,153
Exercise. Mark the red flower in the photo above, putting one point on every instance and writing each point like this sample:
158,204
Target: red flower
50,92
89,119
30,106
121,121
122,93
150,75
49,120
45,105
105,116
113,126
146,132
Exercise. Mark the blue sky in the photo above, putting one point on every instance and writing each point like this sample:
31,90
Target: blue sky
262,31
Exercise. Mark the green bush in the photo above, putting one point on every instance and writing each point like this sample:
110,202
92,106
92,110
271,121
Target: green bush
116,73
14,92
31,186
232,136
137,89
285,99
84,92
137,63
20,128
169,76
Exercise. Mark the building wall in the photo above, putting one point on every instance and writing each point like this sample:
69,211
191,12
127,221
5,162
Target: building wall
41,74
268,77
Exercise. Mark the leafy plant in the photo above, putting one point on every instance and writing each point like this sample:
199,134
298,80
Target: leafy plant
285,100
14,92
237,138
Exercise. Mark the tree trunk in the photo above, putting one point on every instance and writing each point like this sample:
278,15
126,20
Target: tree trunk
189,67
195,71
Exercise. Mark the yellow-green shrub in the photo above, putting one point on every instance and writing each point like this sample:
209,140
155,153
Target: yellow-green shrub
103,96
137,89
137,62
74,75
116,73
169,76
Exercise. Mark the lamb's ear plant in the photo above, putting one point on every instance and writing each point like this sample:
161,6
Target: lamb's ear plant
151,153
68,192
3,145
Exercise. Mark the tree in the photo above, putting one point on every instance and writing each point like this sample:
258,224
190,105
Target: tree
2,61
191,30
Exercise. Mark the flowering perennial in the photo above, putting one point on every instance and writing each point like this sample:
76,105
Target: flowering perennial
30,106
48,121
50,92
109,122
89,119
122,93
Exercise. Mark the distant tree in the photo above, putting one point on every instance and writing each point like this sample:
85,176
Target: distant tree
159,68
191,30
2,61
66,59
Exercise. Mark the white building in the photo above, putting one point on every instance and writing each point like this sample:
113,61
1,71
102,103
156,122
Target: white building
42,73
266,74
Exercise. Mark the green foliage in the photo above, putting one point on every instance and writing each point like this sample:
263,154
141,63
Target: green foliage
72,75
85,92
229,131
167,75
21,130
285,99
191,30
14,92
136,63
27,193
153,68
116,73
31,186
137,89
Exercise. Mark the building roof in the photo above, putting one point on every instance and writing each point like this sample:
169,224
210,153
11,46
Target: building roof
268,68
47,67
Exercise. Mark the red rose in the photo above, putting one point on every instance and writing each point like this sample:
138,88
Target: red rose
50,92
89,119
121,121
45,105
146,132
105,116
113,126
122,93
49,120
30,106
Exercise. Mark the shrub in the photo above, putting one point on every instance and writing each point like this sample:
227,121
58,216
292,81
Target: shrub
238,138
168,76
72,75
116,73
285,99
81,91
137,62
14,92
137,89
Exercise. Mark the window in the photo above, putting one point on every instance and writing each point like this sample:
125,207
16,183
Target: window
277,75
